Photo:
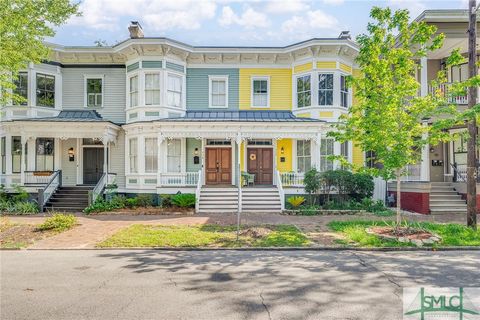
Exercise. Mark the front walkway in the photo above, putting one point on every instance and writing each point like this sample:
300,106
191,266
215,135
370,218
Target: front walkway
93,229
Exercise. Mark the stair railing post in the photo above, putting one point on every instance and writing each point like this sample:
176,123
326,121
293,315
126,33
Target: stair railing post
40,198
59,178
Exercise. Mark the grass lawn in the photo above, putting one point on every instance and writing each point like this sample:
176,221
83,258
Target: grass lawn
206,236
451,234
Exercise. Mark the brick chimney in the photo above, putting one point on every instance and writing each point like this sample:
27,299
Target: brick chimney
135,30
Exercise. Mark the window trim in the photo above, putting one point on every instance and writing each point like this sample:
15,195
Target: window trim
36,153
297,76
323,157
303,156
145,88
133,155
54,89
259,78
212,78
347,99
129,92
86,77
27,100
154,154
332,90
180,77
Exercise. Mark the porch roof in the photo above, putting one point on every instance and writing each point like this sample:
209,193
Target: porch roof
71,116
240,116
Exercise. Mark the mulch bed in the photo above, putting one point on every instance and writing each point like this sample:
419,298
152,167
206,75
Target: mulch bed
255,232
21,235
418,237
148,211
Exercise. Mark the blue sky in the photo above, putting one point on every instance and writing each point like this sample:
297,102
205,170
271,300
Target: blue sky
226,22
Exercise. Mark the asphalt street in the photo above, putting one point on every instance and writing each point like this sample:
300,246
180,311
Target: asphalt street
148,284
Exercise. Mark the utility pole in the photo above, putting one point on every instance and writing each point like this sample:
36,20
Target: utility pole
472,125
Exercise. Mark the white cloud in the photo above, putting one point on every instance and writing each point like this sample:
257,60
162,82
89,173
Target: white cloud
309,24
286,6
249,18
334,2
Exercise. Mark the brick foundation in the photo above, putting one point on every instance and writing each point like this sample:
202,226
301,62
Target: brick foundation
464,197
414,201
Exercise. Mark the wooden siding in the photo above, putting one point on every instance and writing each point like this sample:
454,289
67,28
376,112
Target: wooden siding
280,88
303,67
326,65
151,64
198,91
175,67
133,66
304,115
326,114
117,159
191,144
287,154
357,156
69,168
113,91
345,67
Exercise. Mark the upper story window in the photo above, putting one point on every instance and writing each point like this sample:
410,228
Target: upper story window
260,92
134,91
304,93
325,89
94,92
21,88
152,89
45,90
343,91
218,92
174,91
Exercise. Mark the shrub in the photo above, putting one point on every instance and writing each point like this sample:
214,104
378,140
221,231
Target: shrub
296,201
309,210
101,205
363,186
184,200
144,200
26,207
21,195
58,222
312,182
3,193
131,202
165,200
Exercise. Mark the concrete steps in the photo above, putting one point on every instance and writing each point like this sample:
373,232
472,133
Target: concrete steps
444,199
69,199
218,200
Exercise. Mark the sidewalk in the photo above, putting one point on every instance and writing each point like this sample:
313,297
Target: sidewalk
93,229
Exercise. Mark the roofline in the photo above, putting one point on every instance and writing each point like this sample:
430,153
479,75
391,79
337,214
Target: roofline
443,15
172,122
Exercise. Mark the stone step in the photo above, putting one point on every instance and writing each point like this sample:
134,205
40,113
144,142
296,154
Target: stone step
444,211
202,201
219,206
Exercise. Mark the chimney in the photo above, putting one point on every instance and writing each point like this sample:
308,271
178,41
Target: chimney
345,35
135,30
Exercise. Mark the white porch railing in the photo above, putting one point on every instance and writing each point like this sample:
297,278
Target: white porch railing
291,179
444,90
38,177
281,192
197,191
182,179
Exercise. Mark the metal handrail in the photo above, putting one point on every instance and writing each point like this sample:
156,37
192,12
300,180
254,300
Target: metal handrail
197,191
46,192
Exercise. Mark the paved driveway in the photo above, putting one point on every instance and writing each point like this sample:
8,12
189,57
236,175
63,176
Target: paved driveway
113,284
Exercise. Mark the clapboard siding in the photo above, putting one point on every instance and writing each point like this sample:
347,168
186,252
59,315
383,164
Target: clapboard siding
117,159
113,91
197,87
69,168
193,143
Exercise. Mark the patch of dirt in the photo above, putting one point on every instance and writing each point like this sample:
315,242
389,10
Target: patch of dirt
324,238
255,232
147,211
409,233
21,235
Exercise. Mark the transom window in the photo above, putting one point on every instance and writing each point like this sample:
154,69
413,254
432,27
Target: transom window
260,88
94,92
134,91
258,142
343,91
152,89
304,156
45,149
213,142
325,89
174,91
133,155
218,92
151,155
303,91
326,150
21,88
45,90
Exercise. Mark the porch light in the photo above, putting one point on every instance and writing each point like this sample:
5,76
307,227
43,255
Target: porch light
71,154
195,152
282,150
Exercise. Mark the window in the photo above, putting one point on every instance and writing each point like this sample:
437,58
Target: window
133,153
152,89
303,91
304,158
45,90
3,154
94,87
213,142
218,92
16,154
325,89
344,151
134,91
92,142
260,88
326,149
45,153
343,91
259,142
173,155
174,91
151,155
21,88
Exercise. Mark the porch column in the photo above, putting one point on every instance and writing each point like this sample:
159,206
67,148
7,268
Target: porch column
423,76
160,139
425,162
105,156
8,154
274,144
317,141
22,162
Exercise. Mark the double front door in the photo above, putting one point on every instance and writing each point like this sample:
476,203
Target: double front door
260,163
218,165
92,165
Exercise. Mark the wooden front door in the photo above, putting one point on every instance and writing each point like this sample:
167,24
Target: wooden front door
260,163
92,165
218,166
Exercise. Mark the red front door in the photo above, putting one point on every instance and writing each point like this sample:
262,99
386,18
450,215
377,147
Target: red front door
260,163
218,166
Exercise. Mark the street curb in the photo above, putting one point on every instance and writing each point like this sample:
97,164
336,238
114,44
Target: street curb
395,249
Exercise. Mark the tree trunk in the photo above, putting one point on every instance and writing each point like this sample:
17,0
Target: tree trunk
399,196
472,126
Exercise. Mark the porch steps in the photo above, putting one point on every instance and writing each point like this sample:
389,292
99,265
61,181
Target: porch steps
444,199
218,200
261,200
69,199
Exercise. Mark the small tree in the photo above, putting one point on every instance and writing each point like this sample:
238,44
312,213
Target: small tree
388,115
24,25
312,183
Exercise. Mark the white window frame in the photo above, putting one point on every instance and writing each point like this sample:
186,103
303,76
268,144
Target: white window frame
181,78
86,77
333,90
27,100
311,89
133,156
347,100
129,92
303,156
145,74
55,92
151,153
217,78
323,156
252,93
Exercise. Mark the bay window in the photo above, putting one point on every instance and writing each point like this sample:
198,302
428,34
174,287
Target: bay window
152,89
218,92
325,89
304,157
94,93
343,91
45,149
174,91
134,91
326,150
151,155
21,88
260,92
45,90
133,155
303,91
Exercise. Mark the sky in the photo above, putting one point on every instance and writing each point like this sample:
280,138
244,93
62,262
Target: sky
229,22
